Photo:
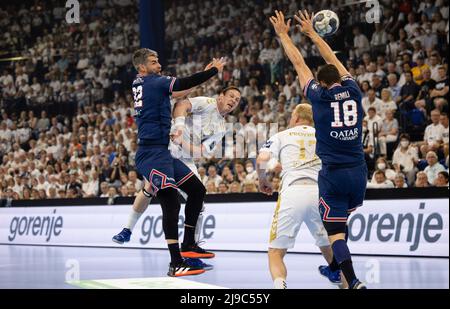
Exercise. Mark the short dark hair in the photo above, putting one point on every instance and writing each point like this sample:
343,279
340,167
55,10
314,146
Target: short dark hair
329,74
444,173
229,88
140,56
405,136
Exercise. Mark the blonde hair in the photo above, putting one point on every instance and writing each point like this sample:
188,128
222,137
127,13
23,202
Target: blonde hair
304,111
389,93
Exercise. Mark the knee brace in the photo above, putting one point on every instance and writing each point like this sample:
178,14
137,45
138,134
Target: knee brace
146,193
170,206
334,228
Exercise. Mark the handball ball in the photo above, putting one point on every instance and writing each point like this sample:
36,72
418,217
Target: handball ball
326,23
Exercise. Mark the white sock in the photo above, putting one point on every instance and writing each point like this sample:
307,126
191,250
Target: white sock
133,219
280,283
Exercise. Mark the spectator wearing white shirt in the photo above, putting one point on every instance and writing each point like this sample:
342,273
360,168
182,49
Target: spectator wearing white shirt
386,104
134,180
202,174
252,174
411,26
213,176
90,185
434,66
6,78
379,37
405,159
394,87
399,181
371,101
444,122
35,85
360,43
432,138
380,181
389,132
434,167
374,122
383,165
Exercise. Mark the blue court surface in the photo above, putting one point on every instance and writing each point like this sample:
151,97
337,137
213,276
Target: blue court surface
72,267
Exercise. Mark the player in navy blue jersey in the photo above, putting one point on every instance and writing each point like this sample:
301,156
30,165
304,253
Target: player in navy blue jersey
338,115
163,174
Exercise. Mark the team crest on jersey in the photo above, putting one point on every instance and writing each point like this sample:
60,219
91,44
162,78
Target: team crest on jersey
267,144
314,86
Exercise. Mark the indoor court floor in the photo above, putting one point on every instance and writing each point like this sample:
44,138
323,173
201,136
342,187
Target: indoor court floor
40,267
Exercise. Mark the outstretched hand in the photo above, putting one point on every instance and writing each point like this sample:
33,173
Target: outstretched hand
306,23
278,23
216,63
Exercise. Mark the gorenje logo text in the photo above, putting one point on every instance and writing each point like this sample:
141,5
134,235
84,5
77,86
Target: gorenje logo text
36,226
385,227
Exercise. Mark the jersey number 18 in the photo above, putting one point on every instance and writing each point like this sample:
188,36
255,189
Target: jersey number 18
350,114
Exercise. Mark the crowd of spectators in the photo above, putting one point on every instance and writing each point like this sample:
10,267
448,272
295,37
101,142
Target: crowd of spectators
66,127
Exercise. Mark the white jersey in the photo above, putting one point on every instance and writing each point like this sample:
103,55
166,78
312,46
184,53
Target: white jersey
204,125
295,148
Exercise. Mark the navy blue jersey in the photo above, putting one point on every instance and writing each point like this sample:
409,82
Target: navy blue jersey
152,108
338,116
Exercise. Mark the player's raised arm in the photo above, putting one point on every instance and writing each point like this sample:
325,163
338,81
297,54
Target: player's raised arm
294,55
306,27
197,79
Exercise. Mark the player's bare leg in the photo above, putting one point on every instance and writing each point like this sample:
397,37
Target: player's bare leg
277,267
140,205
327,253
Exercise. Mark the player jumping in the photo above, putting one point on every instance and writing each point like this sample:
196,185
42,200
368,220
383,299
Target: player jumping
211,113
298,196
338,114
163,174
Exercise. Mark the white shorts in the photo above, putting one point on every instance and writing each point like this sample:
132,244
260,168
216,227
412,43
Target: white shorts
297,204
190,163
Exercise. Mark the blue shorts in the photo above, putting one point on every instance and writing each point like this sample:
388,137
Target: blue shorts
157,166
341,191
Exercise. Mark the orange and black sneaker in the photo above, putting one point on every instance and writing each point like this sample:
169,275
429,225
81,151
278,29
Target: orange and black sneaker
195,252
184,268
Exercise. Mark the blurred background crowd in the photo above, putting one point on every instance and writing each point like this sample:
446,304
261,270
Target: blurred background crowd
67,130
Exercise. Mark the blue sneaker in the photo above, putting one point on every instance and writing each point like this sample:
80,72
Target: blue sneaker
199,263
357,285
122,237
333,276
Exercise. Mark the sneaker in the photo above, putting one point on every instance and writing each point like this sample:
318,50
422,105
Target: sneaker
122,237
185,268
333,276
198,262
357,285
195,252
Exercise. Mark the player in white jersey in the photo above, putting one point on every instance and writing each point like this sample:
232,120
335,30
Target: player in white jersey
298,198
202,117
199,128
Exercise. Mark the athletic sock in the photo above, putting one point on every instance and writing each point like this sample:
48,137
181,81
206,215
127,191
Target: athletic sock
133,218
175,256
189,236
279,283
342,255
334,265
